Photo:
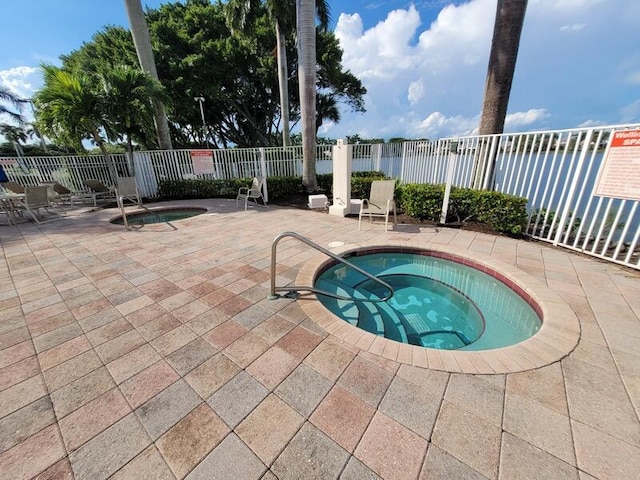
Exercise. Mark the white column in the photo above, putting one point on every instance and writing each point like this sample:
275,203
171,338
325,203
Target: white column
342,157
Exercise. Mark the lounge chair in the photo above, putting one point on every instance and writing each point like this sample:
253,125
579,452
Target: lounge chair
37,198
127,190
380,202
254,192
13,187
98,190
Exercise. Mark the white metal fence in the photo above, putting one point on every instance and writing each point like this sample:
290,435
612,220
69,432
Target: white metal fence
554,170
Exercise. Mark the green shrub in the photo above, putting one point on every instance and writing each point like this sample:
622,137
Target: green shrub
502,212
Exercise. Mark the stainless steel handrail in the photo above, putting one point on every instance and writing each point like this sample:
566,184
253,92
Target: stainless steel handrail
291,288
120,202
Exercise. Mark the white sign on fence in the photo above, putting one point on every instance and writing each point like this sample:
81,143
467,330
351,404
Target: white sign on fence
202,162
619,175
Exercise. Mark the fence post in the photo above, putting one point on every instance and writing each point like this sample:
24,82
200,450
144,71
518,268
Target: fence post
263,172
451,168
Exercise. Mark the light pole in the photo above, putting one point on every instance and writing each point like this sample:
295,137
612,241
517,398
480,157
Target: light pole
200,100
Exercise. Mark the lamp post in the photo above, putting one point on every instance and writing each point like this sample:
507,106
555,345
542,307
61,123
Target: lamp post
200,100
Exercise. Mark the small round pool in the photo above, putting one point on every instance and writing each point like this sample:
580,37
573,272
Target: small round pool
437,302
160,215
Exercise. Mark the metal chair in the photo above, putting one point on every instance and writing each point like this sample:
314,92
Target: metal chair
380,202
254,192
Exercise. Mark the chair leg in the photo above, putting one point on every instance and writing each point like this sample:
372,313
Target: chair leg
360,221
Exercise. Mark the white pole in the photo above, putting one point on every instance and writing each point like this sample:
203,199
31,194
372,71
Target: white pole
200,101
451,168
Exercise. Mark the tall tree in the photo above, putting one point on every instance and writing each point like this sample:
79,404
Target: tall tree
502,63
7,97
306,35
282,14
128,93
69,110
142,42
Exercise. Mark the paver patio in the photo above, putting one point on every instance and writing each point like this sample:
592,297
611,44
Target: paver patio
155,354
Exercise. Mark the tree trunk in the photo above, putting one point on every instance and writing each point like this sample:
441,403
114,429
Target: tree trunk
306,32
142,42
502,64
105,154
283,84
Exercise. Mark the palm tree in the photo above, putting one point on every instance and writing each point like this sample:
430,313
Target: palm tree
306,32
502,63
142,42
129,93
70,111
239,13
8,97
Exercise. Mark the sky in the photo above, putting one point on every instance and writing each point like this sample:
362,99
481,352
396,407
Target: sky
423,62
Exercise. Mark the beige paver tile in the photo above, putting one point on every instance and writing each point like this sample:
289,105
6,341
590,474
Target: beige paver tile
225,334
544,385
18,372
145,314
604,456
231,459
330,358
107,452
133,362
237,398
16,353
246,349
56,337
173,340
136,304
71,370
81,391
109,331
367,381
391,450
191,355
51,323
32,456
439,465
273,328
158,326
87,421
477,396
191,439
58,471
211,375
190,311
269,427
148,465
343,417
63,352
13,337
149,382
119,346
520,459
311,454
299,342
469,438
21,394
21,424
272,367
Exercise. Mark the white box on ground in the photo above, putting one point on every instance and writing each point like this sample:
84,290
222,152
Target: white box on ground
318,201
354,206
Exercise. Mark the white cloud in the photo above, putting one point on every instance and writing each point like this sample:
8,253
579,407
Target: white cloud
634,78
437,125
574,27
521,119
591,123
630,112
415,92
20,80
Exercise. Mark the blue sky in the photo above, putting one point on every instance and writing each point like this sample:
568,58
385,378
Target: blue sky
423,62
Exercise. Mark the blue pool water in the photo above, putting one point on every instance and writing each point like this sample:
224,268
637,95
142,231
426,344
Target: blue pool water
437,303
160,216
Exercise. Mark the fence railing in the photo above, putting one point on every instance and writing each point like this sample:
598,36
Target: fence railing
555,170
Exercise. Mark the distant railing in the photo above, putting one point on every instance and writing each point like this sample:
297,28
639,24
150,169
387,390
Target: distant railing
555,170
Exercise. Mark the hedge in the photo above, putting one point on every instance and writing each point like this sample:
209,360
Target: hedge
502,212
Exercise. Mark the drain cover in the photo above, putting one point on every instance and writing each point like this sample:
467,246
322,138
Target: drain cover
335,244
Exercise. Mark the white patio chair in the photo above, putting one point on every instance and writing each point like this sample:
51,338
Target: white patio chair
380,202
98,190
127,190
254,192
